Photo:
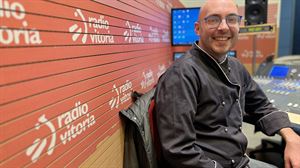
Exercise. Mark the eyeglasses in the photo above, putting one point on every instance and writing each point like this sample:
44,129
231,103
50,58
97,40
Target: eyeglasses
214,21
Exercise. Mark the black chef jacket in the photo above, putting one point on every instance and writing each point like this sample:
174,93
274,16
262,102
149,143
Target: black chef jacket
200,109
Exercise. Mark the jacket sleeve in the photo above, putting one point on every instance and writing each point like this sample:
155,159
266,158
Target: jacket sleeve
267,118
175,105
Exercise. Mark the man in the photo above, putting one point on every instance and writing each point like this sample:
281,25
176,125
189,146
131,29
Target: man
201,100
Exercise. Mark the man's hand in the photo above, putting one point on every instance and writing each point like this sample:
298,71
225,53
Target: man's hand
292,148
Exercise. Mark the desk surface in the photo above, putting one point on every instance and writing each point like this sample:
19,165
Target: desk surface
294,118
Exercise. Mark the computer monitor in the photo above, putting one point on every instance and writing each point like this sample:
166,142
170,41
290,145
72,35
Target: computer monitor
231,53
279,71
177,55
183,20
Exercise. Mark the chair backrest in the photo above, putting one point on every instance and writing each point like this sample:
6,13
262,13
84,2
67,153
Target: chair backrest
152,123
140,132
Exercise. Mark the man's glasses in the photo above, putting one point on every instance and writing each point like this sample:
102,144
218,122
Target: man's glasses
214,21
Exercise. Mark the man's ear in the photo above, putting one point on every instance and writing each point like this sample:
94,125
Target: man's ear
197,28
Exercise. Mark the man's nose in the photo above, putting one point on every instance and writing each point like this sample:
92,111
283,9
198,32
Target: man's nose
223,25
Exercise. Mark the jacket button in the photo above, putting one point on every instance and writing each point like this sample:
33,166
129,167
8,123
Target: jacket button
232,161
240,128
223,103
226,130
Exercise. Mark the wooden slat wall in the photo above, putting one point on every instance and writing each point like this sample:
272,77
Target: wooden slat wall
67,68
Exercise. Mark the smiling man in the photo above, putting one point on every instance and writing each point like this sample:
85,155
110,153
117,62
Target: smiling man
218,27
202,98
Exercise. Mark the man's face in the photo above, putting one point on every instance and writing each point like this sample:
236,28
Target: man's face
218,39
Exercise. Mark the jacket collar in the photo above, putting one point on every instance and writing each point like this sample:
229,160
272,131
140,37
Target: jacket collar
204,56
208,60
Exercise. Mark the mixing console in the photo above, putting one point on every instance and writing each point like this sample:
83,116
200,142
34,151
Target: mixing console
280,81
283,93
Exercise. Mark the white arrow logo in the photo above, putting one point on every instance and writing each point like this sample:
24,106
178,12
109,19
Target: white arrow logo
114,102
78,30
38,145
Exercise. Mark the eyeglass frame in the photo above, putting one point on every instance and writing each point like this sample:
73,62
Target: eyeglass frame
221,20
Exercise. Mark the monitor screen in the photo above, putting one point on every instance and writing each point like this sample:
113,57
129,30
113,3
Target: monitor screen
183,20
279,71
177,55
232,53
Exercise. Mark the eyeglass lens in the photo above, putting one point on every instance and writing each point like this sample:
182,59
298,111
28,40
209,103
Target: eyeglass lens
214,21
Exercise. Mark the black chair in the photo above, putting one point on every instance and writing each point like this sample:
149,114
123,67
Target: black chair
269,151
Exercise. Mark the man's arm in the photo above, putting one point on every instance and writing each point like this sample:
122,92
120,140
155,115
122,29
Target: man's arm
272,120
175,105
260,110
292,149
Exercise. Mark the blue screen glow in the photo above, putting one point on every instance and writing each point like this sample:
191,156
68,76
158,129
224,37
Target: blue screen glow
232,53
177,55
183,20
279,71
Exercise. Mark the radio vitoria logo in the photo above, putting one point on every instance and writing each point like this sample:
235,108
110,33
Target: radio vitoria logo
133,33
122,94
78,30
38,145
70,125
95,29
114,102
25,35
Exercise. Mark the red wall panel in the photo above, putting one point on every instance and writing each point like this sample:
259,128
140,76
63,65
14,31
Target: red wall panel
68,67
